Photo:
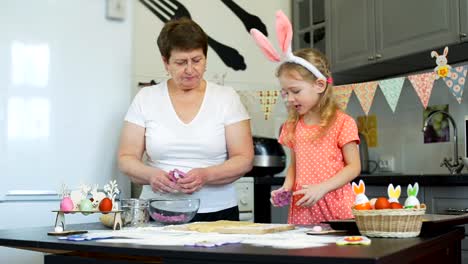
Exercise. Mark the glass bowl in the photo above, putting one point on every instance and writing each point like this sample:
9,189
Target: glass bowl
172,212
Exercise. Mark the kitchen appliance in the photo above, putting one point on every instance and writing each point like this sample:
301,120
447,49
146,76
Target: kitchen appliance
363,154
269,159
245,198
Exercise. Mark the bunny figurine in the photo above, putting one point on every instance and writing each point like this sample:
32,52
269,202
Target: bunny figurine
361,202
442,69
412,200
393,193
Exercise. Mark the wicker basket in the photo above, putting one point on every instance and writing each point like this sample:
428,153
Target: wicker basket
398,223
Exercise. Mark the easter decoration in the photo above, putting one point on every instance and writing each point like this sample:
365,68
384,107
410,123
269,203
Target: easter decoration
112,191
393,195
361,202
87,200
442,69
353,240
66,204
412,200
386,215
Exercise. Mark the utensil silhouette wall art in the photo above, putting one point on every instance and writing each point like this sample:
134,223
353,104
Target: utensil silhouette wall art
166,10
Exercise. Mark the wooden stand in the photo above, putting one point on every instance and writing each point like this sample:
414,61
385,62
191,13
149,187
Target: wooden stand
60,219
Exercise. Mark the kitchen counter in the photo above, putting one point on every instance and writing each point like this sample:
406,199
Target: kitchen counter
262,186
436,247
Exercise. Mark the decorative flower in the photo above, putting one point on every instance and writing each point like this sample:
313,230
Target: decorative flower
443,71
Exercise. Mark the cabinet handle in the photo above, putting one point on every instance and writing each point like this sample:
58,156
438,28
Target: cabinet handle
378,56
370,58
456,211
463,35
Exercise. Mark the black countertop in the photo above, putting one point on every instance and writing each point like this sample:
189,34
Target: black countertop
382,250
385,178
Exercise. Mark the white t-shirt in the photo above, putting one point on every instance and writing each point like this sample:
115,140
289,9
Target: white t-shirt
172,144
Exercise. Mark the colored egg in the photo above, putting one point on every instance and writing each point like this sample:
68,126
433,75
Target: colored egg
105,205
86,205
66,205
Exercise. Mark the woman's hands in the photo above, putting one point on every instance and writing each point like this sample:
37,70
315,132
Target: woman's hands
312,194
193,181
161,182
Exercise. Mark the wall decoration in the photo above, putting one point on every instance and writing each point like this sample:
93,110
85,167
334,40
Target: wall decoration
391,89
166,10
456,82
365,93
422,84
341,94
442,69
438,128
250,21
367,125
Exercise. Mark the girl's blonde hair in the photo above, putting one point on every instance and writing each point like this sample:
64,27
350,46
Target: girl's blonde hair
327,106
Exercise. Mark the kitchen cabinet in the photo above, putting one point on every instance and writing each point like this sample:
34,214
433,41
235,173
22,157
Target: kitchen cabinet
464,20
309,25
369,31
449,200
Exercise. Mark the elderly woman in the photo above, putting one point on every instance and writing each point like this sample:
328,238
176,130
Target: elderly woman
188,124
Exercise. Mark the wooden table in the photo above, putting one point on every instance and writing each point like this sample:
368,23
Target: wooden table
442,246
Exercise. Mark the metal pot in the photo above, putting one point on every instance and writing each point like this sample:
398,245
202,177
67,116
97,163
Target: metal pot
269,158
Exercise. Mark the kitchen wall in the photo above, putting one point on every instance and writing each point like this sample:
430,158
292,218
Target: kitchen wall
221,24
399,133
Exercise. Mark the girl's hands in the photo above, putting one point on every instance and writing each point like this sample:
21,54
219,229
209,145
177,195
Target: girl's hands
161,182
193,181
312,193
279,192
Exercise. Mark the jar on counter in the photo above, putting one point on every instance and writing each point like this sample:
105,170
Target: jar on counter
135,212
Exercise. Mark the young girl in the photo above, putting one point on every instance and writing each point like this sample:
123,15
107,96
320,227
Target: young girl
323,139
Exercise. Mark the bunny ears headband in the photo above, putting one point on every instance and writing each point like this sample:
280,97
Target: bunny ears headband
284,34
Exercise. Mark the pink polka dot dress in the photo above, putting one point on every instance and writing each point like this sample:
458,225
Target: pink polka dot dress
317,161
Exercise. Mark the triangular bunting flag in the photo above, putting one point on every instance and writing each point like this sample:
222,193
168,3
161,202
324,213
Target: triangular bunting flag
365,93
391,89
268,99
342,94
456,81
422,84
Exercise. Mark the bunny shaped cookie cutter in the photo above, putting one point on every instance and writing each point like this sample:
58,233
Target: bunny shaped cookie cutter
361,199
284,34
412,200
393,193
442,69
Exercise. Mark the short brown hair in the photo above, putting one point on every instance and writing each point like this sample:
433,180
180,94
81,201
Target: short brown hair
181,34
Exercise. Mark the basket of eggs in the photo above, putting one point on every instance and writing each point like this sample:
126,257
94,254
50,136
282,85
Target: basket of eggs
382,217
